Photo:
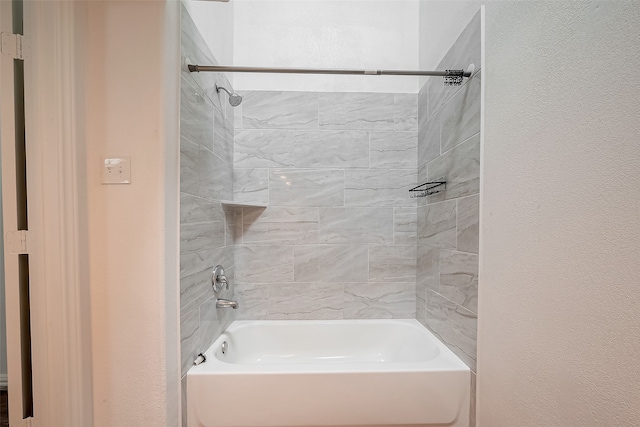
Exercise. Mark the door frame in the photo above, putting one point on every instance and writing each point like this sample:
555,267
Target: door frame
10,221
60,308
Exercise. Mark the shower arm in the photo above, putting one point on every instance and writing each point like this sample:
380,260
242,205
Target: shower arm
234,69
218,88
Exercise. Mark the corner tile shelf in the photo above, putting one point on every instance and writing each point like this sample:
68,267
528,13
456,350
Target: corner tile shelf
242,204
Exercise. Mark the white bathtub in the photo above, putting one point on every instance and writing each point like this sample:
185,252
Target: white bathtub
328,373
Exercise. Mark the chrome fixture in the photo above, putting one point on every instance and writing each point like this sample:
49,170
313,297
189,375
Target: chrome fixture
452,77
225,303
234,98
218,279
200,359
219,282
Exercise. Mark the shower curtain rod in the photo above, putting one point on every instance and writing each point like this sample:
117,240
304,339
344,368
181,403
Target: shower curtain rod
224,68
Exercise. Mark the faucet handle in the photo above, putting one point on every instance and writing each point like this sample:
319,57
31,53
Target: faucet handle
218,279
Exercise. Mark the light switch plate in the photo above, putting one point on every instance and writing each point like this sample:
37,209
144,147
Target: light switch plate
117,171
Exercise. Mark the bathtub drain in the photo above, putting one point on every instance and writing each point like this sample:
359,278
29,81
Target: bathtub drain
225,347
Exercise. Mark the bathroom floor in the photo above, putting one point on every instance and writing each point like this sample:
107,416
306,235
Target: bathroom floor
4,409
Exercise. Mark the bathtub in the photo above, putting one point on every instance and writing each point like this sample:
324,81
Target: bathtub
328,373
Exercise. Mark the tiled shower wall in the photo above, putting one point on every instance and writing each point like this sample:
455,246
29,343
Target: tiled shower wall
206,171
449,148
338,238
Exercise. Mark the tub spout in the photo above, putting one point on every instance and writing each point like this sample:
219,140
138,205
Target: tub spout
225,303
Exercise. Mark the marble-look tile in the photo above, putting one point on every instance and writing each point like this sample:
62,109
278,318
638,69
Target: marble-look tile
195,275
196,262
423,105
379,187
331,263
253,301
224,257
251,185
233,221
208,176
421,309
263,148
460,117
279,110
393,150
429,140
405,111
262,263
237,117
437,225
422,178
195,49
189,28
189,158
393,263
459,278
405,223
213,321
195,209
356,225
306,187
472,403
223,137
368,111
230,113
198,236
468,229
428,268
195,289
215,176
460,167
405,210
322,300
189,339
464,51
331,149
454,325
384,300
196,113
280,225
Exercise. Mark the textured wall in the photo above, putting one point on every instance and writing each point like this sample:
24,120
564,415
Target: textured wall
131,108
338,238
447,254
206,171
560,261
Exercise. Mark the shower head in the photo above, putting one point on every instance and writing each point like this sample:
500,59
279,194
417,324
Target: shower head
234,98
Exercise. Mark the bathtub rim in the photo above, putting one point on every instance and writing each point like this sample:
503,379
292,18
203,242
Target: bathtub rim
445,361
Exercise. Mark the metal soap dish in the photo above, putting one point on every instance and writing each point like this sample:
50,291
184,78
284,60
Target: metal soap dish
427,189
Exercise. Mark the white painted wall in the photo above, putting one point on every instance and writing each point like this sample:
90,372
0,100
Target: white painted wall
559,324
394,34
441,22
132,77
215,21
367,34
